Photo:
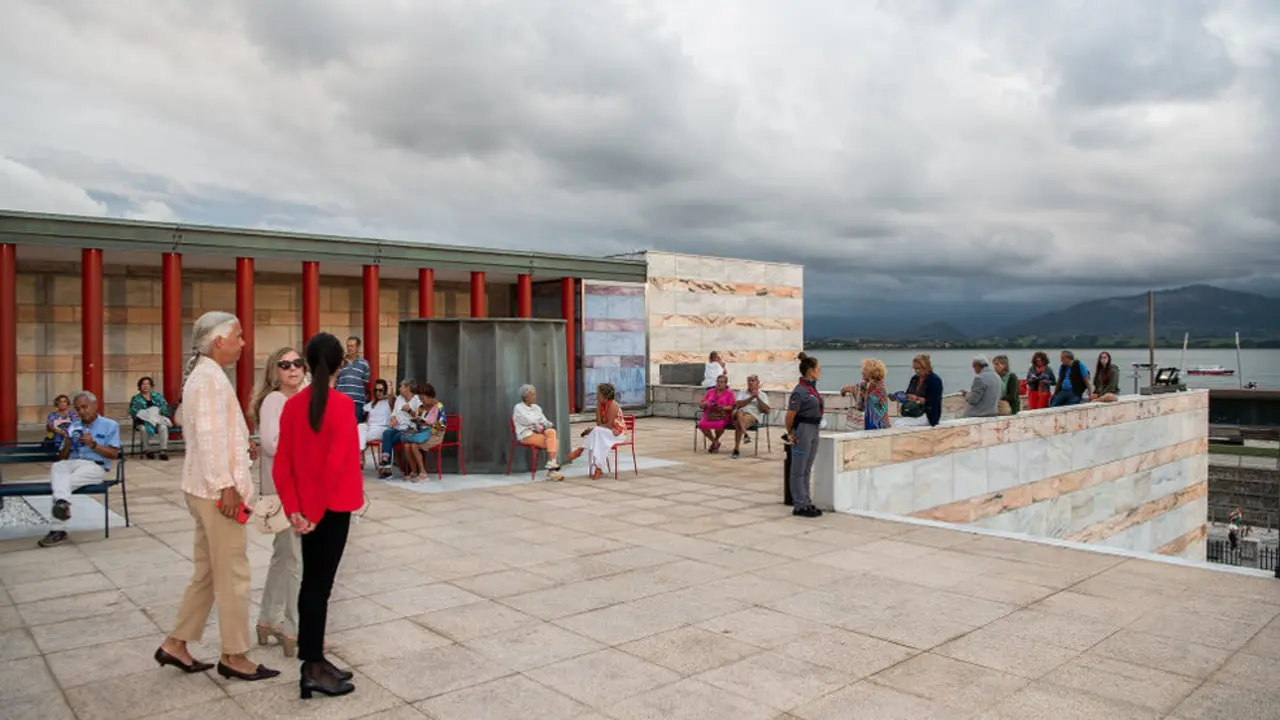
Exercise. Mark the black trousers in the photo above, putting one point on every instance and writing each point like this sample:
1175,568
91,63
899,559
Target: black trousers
321,552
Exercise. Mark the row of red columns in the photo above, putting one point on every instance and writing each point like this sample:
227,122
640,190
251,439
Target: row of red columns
92,321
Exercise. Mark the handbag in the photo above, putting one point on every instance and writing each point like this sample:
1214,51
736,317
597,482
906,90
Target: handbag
268,516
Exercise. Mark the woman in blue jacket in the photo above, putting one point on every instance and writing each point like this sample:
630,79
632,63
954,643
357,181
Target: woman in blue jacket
922,402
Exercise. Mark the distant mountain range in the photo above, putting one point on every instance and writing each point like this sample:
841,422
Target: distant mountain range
1211,315
1203,311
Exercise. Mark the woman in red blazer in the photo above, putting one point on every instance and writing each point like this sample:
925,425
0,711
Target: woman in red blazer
320,483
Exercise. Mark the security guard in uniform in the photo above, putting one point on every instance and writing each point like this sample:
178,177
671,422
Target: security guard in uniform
804,415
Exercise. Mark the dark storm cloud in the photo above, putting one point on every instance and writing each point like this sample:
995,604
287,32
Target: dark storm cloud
933,148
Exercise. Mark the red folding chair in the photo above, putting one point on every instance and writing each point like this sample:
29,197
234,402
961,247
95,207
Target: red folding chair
452,426
630,421
533,453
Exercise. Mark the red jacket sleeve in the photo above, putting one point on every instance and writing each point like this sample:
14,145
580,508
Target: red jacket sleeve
283,473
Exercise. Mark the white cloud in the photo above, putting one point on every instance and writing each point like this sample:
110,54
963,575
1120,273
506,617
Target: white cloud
977,149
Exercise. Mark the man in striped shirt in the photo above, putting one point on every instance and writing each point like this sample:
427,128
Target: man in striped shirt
353,378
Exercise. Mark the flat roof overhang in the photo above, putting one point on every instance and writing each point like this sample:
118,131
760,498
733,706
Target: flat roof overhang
136,236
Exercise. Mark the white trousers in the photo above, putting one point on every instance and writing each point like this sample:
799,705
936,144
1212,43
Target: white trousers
598,444
68,475
368,433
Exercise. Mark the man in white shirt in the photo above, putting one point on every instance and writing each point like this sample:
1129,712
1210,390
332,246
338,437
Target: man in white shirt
751,408
217,482
89,447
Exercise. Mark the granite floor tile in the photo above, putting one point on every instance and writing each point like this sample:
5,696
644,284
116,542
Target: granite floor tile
414,678
10,618
905,626
1007,653
50,706
93,631
1203,629
531,647
1068,632
511,698
1247,671
1042,701
1265,644
776,680
424,599
865,700
474,620
395,638
689,700
17,644
690,650
1176,656
852,654
59,587
961,686
355,613
223,709
1115,680
603,678
1091,607
505,583
106,661
1216,701
74,607
761,627
151,692
281,701
620,623
25,677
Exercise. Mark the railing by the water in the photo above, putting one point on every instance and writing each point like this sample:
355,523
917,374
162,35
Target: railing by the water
1241,554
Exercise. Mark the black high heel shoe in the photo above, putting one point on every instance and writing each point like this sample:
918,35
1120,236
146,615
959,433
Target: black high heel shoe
163,658
262,673
316,678
335,671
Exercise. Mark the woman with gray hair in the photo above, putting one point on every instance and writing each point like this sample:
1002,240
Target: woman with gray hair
218,487
532,428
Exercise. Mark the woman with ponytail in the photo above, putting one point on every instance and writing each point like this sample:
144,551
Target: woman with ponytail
317,474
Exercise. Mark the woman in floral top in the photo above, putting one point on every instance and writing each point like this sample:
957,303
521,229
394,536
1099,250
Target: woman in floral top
872,397
150,411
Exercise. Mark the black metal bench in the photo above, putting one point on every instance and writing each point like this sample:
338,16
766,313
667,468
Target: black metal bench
16,454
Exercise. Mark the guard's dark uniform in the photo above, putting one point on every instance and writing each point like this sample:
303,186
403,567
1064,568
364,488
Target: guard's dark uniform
808,406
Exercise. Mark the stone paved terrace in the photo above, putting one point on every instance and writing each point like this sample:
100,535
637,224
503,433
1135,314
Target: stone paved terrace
685,592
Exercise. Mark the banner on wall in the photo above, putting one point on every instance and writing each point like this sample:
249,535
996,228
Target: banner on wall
614,341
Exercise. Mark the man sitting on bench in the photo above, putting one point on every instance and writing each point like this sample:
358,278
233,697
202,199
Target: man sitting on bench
90,445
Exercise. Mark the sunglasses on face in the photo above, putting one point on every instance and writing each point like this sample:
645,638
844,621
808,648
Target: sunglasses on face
286,364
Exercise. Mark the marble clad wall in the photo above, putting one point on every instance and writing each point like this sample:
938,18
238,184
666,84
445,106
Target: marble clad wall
1132,474
49,312
751,312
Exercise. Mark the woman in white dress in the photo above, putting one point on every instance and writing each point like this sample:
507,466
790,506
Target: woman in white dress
609,430
377,417
534,429
714,369
278,618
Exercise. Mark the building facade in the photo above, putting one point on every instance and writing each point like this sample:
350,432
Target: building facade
96,304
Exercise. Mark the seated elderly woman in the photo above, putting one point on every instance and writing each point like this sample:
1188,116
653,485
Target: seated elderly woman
532,428
424,432
717,412
151,413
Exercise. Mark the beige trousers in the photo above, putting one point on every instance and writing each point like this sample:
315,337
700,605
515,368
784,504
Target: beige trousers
221,575
284,579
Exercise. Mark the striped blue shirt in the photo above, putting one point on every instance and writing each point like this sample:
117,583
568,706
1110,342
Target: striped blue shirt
353,381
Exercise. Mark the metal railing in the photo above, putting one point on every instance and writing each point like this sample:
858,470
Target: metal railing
1242,555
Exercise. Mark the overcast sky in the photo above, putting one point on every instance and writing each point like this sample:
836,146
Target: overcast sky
947,149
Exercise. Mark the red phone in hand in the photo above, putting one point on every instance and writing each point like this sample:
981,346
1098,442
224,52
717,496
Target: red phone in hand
242,512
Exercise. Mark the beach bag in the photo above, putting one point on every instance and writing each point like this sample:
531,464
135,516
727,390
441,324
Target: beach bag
912,409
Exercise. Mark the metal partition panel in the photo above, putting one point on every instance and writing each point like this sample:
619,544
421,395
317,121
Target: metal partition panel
477,367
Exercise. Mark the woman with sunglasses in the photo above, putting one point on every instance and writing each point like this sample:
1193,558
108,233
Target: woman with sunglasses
377,417
278,619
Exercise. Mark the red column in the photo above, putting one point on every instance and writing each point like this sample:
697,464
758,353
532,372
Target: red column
8,342
310,300
91,321
372,350
477,295
567,310
244,311
171,324
426,293
524,296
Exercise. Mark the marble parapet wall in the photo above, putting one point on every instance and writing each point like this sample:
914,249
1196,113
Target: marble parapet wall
751,312
1131,474
682,401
